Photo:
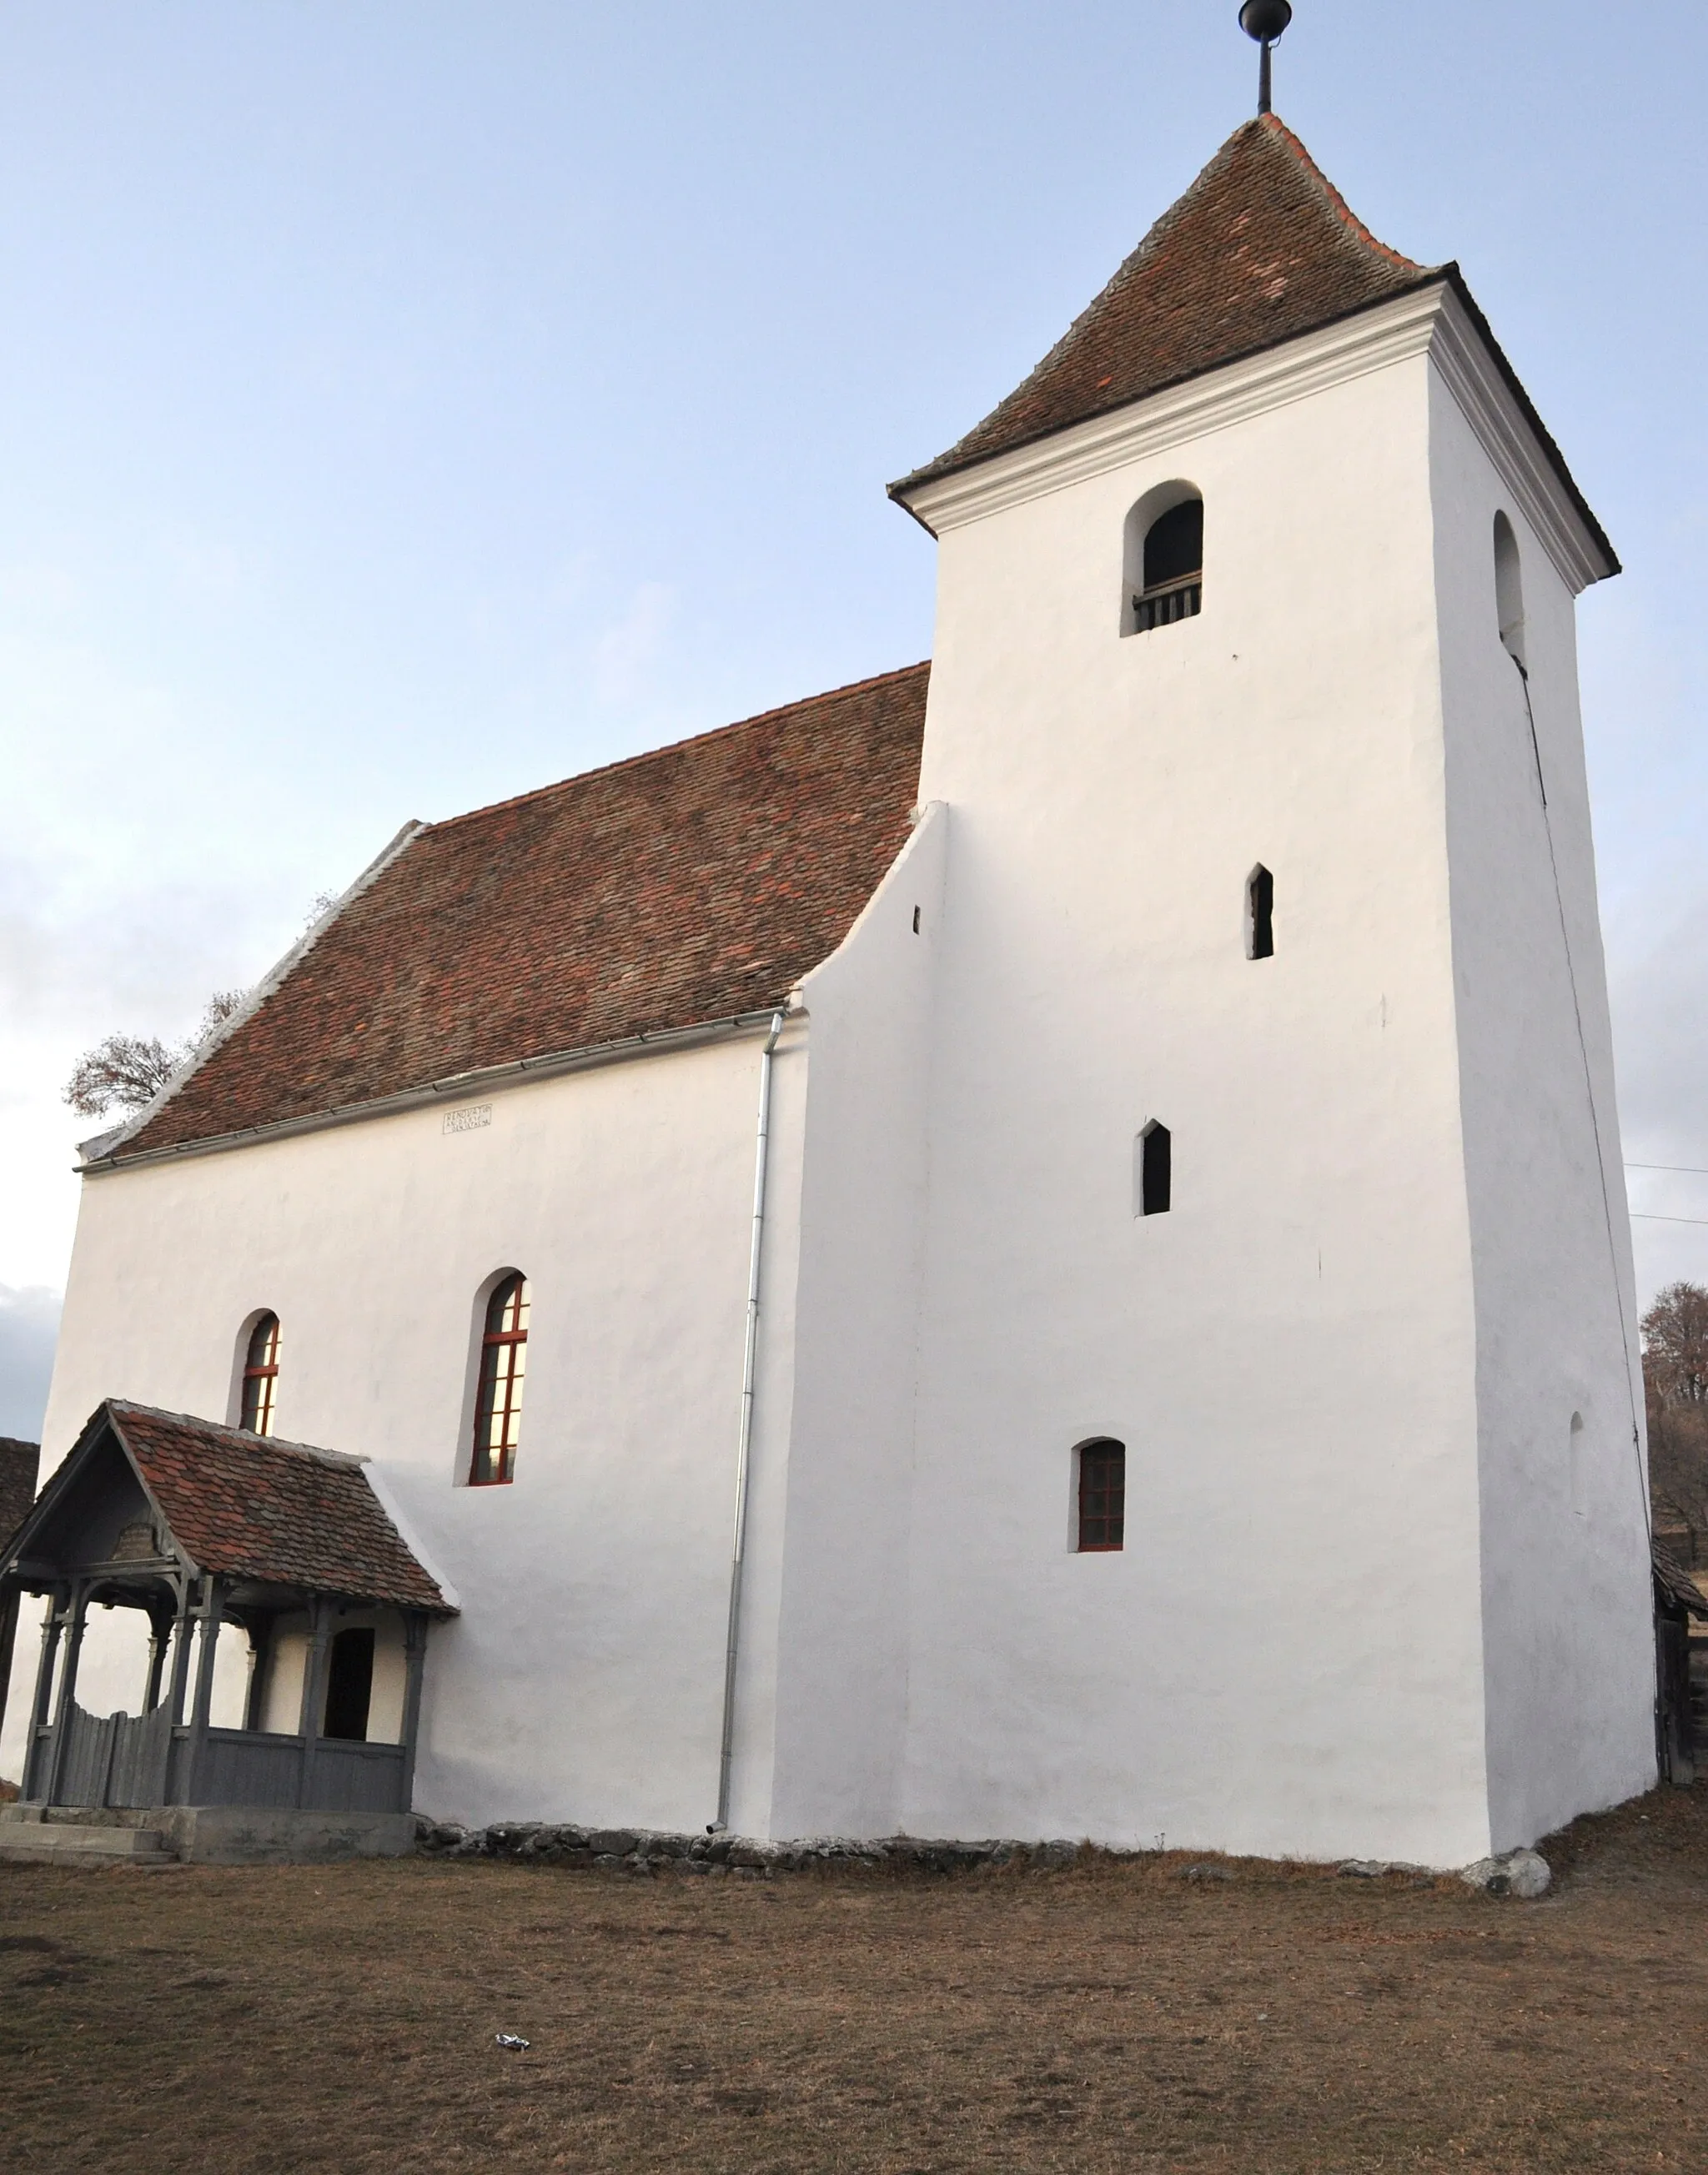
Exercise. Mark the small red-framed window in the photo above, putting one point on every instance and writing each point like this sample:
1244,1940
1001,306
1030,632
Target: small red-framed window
1103,1498
498,1402
261,1377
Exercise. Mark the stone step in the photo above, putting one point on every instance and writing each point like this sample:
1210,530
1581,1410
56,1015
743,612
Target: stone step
80,1816
40,1842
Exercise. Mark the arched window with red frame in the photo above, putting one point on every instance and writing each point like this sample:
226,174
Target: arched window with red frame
261,1377
498,1402
1103,1497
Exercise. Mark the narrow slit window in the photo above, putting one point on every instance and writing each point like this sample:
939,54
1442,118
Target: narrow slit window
261,1377
1103,1498
1260,914
1156,1169
498,1403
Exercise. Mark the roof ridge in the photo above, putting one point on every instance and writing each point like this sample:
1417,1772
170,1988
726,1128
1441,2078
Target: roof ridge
352,1460
1343,210
675,747
1259,249
674,887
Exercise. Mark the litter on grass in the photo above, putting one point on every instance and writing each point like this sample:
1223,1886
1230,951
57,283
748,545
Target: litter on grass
509,2040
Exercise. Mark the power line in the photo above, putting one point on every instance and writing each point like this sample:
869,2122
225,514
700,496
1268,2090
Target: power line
1684,1169
1638,1215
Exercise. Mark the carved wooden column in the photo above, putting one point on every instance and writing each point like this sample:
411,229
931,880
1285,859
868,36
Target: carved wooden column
211,1615
180,1653
313,1693
160,1637
68,1688
178,1775
41,1706
415,1667
10,1603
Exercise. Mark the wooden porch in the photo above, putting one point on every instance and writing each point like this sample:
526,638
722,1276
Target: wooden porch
108,1531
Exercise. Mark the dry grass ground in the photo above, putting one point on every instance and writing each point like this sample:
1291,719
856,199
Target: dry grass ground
1118,2016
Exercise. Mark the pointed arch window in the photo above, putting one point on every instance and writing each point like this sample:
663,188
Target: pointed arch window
1154,1175
1508,591
261,1377
1260,914
498,1402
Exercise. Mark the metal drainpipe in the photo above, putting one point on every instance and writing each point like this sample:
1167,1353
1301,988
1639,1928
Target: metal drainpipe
745,1444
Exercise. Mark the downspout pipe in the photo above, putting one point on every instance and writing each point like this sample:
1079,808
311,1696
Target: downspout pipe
744,1448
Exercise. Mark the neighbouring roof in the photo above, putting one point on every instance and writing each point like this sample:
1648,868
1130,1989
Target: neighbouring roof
1262,249
20,1462
694,884
1674,1583
245,1507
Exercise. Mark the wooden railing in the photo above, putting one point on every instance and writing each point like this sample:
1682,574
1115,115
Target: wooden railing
1168,601
144,1760
251,1767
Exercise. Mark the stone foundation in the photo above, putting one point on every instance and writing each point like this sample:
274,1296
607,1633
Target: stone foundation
641,1850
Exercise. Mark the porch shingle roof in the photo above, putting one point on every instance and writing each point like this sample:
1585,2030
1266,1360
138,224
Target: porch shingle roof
243,1506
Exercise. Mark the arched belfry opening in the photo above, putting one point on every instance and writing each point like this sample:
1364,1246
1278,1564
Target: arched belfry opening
1509,592
1163,558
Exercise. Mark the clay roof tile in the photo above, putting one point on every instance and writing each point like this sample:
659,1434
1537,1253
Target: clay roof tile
693,884
251,1506
1260,249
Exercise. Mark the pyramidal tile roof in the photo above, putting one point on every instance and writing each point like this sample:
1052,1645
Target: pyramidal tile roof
246,1506
1260,248
689,886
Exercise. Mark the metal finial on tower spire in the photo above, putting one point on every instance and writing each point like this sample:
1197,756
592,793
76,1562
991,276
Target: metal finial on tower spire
1265,21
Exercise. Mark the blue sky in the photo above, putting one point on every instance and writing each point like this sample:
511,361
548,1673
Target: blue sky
404,404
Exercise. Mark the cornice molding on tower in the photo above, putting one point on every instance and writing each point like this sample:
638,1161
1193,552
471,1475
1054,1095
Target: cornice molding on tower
1480,378
1431,320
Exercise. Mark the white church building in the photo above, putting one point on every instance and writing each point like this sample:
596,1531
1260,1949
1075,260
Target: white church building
1033,1247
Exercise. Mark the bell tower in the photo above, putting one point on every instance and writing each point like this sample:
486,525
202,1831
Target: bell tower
1271,1138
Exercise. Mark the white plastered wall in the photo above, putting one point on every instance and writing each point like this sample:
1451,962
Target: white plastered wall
583,1679
281,1690
1570,1651
1287,1656
842,1707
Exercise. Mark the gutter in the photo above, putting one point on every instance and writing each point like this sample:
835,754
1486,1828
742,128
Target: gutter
453,1086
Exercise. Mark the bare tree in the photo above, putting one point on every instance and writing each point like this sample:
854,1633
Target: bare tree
127,1071
123,1072
1675,1343
1675,1380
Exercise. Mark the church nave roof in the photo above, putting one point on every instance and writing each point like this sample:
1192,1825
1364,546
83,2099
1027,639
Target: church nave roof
695,883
